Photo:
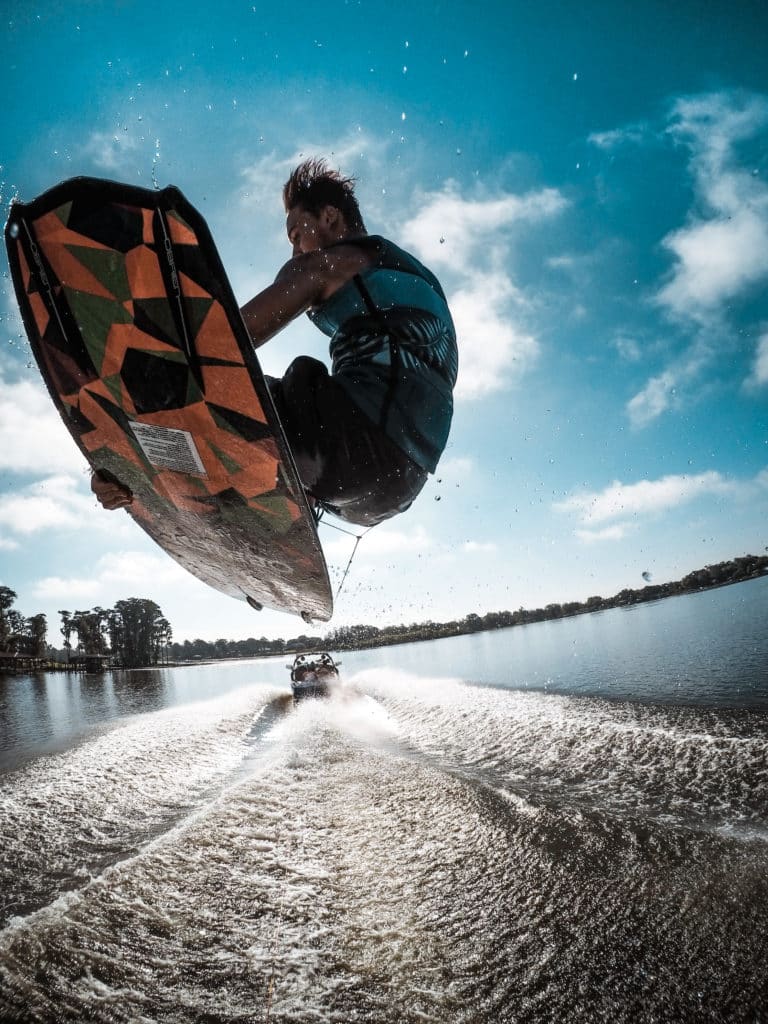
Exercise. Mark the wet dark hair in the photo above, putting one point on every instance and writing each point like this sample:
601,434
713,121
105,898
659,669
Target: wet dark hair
314,185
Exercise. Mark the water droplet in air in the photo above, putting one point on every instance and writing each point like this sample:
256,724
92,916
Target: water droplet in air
402,116
437,497
442,241
13,230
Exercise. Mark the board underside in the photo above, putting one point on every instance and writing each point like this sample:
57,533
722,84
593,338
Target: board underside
140,341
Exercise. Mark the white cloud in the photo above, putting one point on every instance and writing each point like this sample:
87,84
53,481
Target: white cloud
759,376
129,567
451,232
653,400
716,260
55,502
112,574
470,243
720,253
493,350
56,588
33,438
723,249
618,504
58,502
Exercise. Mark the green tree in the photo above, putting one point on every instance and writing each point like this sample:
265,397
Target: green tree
138,630
7,597
17,630
37,631
90,627
67,628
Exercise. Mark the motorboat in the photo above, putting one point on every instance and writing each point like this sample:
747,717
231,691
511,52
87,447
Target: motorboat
313,675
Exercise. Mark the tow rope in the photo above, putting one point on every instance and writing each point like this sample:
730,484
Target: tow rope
358,537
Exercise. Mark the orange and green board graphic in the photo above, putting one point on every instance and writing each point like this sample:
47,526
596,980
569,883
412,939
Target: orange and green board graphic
140,341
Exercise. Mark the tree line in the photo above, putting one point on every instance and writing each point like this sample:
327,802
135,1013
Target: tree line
133,633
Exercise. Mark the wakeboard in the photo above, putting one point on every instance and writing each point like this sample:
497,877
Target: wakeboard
139,338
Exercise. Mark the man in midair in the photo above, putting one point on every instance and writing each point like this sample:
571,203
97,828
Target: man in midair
366,435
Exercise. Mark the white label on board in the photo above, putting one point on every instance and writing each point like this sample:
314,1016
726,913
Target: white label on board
169,448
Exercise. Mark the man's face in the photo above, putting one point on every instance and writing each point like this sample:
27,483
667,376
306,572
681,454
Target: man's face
306,232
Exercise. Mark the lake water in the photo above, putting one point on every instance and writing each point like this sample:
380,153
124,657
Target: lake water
560,822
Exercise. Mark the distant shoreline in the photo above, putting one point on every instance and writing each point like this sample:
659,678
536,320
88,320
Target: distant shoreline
364,637
724,574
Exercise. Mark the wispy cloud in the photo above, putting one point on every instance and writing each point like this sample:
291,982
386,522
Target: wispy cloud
721,252
655,398
56,502
630,135
111,151
609,514
114,574
33,438
723,248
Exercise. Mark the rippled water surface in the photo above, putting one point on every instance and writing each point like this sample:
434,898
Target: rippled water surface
430,845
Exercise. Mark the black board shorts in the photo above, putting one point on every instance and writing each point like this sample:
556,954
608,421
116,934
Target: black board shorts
344,460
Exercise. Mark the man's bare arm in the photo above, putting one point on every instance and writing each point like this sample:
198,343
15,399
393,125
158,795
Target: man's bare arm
304,281
297,286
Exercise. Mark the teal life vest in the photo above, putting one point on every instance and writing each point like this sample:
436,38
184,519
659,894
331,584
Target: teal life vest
393,348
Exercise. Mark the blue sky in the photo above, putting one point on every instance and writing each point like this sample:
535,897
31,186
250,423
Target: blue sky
590,183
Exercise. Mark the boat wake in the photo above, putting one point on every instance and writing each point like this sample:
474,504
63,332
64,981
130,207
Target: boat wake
408,849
